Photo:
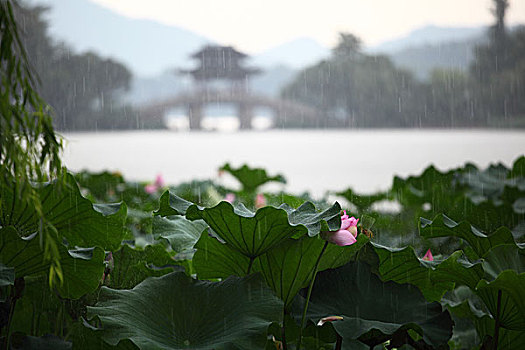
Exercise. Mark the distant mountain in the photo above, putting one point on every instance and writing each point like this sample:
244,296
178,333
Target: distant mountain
295,54
428,35
147,47
432,47
422,60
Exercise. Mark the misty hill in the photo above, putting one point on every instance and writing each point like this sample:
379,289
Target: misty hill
422,60
151,49
146,47
295,54
428,36
433,47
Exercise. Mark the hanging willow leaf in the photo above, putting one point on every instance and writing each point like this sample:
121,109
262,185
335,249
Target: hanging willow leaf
177,312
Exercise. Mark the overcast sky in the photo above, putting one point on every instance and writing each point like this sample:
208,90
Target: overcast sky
256,25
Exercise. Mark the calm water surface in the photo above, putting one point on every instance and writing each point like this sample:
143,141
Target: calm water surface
315,161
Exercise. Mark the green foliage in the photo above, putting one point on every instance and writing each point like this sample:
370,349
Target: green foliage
251,178
354,89
247,274
374,310
74,218
81,268
289,267
81,88
183,313
29,147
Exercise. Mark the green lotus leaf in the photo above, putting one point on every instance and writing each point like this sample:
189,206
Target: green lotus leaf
288,267
251,178
250,234
82,268
443,226
456,268
85,336
181,233
504,257
171,204
416,190
519,205
401,265
307,215
100,185
518,168
177,312
372,309
509,289
484,325
507,340
253,234
74,217
133,265
215,259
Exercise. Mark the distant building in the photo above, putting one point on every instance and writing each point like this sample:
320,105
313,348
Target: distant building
224,66
221,63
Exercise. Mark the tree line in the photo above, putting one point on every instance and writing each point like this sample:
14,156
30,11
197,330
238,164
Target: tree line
354,89
350,88
83,89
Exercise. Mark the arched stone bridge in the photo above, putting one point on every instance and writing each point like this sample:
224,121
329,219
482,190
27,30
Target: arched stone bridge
196,101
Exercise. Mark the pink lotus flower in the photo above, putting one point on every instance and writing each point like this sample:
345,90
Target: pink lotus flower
347,234
230,197
157,185
150,188
159,181
428,256
260,201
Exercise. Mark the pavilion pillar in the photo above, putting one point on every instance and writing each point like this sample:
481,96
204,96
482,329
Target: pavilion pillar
195,115
245,116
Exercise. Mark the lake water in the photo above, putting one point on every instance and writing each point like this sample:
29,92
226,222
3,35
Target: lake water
311,160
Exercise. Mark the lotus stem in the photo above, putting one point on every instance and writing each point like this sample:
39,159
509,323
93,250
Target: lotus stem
250,265
283,335
316,267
